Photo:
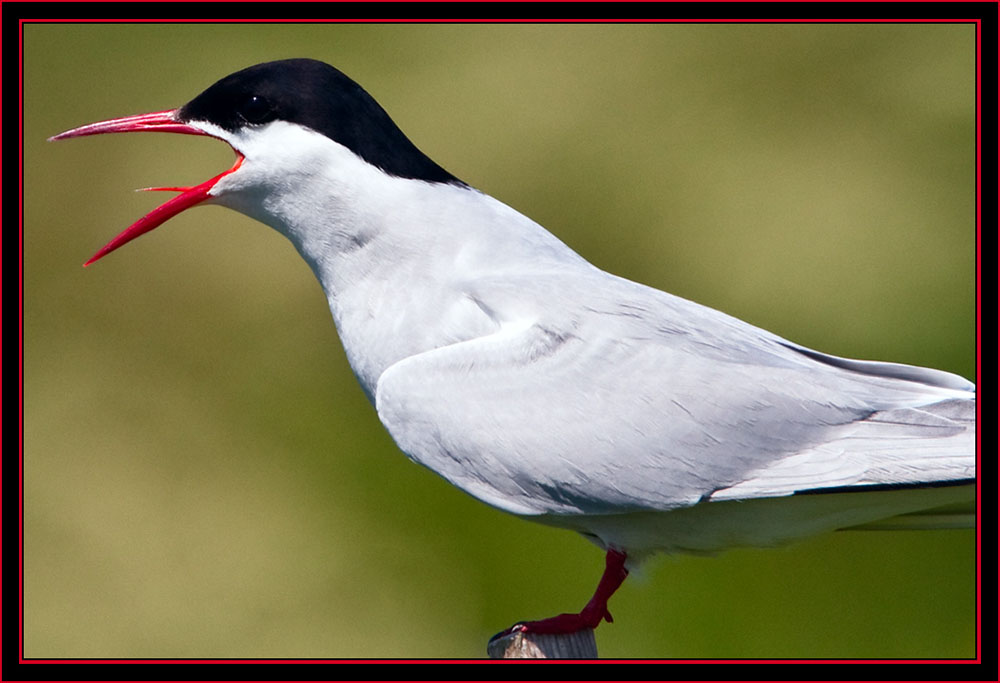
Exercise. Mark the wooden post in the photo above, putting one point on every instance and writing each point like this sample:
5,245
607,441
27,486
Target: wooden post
517,645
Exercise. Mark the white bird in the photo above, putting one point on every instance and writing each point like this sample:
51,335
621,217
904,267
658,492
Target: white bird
503,361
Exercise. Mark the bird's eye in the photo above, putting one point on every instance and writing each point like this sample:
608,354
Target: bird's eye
256,109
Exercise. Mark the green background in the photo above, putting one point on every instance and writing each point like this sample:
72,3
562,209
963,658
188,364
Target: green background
203,476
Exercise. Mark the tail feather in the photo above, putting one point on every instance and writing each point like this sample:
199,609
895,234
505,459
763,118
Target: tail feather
955,516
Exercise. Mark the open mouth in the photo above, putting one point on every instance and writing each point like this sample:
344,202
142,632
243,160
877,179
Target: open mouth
164,122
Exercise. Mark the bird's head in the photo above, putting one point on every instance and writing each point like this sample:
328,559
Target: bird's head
287,121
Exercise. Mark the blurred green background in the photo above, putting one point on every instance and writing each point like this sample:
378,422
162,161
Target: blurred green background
203,476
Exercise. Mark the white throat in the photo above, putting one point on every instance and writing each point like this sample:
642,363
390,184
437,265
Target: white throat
374,241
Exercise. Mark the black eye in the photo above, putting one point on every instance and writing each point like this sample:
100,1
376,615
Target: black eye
255,109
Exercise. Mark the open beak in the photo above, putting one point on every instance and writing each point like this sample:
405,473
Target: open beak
164,122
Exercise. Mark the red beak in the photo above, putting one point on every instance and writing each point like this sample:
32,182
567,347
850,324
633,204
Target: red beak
164,122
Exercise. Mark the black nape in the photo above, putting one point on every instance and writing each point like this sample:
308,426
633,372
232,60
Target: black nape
317,96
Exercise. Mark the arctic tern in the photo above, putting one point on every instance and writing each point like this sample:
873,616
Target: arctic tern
499,358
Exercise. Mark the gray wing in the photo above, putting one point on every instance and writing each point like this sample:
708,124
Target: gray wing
597,395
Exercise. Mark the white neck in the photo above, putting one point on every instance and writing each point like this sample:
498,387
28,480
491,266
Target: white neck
389,252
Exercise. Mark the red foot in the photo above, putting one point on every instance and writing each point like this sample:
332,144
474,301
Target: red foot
591,615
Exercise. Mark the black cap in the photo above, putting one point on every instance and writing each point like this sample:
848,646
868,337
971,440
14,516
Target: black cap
317,96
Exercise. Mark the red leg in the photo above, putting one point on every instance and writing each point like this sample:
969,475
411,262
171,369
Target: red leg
595,610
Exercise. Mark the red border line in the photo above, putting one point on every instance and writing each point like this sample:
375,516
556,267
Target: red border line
22,660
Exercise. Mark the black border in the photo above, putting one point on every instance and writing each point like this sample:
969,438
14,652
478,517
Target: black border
986,12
